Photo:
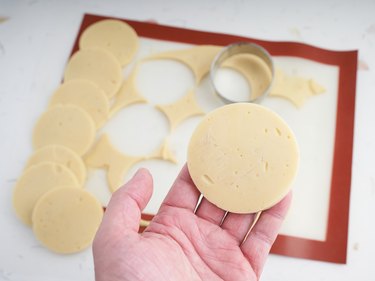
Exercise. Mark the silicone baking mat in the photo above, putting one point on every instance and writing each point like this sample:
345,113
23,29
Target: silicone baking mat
332,245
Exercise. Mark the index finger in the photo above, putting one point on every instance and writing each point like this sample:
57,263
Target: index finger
183,193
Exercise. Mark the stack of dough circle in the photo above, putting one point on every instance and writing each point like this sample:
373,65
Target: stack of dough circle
65,220
243,158
35,182
68,125
86,95
115,36
98,66
61,155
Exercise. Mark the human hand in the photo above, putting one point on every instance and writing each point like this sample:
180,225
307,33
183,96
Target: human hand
180,244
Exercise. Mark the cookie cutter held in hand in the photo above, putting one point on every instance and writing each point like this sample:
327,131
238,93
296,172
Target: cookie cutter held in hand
236,49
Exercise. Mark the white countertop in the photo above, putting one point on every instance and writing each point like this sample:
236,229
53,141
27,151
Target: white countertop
35,43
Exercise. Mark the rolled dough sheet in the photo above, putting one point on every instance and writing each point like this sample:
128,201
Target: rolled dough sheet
115,36
198,58
98,66
128,93
105,155
295,89
86,95
182,109
68,125
255,71
60,155
35,182
66,219
243,158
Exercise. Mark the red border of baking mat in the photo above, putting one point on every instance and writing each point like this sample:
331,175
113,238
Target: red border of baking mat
334,248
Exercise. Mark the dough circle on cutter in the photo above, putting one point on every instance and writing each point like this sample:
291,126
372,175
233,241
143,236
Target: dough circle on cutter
66,219
35,182
115,36
68,125
243,158
97,65
61,155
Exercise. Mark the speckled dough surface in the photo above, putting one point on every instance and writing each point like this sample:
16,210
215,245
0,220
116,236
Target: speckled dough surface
61,155
35,182
66,219
68,125
243,157
84,94
98,66
115,36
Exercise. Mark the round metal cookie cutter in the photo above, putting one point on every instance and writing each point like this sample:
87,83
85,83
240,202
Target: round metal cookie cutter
241,48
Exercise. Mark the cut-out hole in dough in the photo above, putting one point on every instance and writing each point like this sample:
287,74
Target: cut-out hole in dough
198,58
137,129
206,97
163,81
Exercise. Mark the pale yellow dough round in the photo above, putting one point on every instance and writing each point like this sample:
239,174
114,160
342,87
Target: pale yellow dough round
35,182
86,95
65,220
61,155
98,66
115,36
243,158
68,125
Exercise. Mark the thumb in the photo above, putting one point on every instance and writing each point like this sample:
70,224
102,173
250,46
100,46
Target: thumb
124,209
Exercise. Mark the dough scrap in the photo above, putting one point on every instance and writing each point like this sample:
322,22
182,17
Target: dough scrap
198,58
182,109
164,153
255,71
60,155
65,220
295,89
105,155
243,157
86,95
128,93
66,125
35,182
117,37
98,66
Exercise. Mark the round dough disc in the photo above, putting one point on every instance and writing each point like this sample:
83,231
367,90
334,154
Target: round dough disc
35,182
65,220
243,158
97,65
68,125
61,155
86,95
115,36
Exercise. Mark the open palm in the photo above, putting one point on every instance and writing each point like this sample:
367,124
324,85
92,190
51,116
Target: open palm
180,244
